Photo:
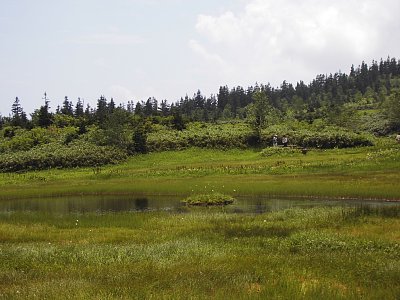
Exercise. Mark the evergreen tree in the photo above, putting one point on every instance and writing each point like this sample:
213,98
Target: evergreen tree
223,97
111,106
199,100
139,138
139,109
18,117
67,107
164,108
177,120
43,116
102,111
79,108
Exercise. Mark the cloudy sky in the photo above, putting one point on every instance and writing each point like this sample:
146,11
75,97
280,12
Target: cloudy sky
134,49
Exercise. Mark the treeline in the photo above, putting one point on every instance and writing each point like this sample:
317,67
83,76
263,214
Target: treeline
367,86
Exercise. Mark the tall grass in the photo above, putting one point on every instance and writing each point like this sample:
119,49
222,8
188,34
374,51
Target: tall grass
205,253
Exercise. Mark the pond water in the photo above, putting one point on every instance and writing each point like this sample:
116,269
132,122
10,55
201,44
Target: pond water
103,204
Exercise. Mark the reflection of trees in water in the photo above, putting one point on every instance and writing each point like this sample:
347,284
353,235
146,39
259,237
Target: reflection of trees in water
142,204
261,207
87,204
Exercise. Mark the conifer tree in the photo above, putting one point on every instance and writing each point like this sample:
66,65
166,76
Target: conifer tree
19,117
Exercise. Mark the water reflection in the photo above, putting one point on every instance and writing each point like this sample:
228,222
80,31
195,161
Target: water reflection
87,204
102,204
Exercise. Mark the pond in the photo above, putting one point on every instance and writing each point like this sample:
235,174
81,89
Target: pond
104,204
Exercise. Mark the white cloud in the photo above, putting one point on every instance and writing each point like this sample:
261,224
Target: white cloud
209,57
276,40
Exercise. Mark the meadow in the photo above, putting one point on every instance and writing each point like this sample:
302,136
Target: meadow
362,172
202,253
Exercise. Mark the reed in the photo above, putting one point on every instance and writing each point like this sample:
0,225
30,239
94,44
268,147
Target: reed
335,253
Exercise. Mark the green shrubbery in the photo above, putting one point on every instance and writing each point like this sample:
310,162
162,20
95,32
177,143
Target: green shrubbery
240,135
324,138
55,155
41,148
204,135
24,140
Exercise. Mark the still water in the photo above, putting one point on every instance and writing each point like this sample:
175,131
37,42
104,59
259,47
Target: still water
104,204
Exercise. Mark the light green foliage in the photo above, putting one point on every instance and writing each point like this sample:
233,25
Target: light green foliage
392,109
279,152
365,172
260,113
209,199
319,253
323,137
225,135
24,140
53,155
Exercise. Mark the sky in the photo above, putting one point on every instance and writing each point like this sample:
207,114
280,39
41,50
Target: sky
130,50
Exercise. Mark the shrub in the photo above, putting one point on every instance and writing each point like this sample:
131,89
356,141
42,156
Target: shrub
203,135
326,138
55,155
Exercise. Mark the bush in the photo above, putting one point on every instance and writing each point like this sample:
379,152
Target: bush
203,135
326,138
24,140
60,156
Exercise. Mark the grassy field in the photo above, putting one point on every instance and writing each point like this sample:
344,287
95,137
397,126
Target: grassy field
365,172
202,253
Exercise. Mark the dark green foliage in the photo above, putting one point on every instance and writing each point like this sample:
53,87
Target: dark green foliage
177,121
79,108
139,139
9,132
42,117
67,107
57,156
19,117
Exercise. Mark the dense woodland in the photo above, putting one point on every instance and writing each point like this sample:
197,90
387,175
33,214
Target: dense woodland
335,110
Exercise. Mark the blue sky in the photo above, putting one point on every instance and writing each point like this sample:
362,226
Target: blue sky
134,49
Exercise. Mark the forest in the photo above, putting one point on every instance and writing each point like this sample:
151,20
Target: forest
332,111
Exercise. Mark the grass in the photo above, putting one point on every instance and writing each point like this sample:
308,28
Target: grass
202,253
367,173
212,199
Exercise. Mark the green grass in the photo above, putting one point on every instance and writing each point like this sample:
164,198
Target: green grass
211,199
366,172
320,253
